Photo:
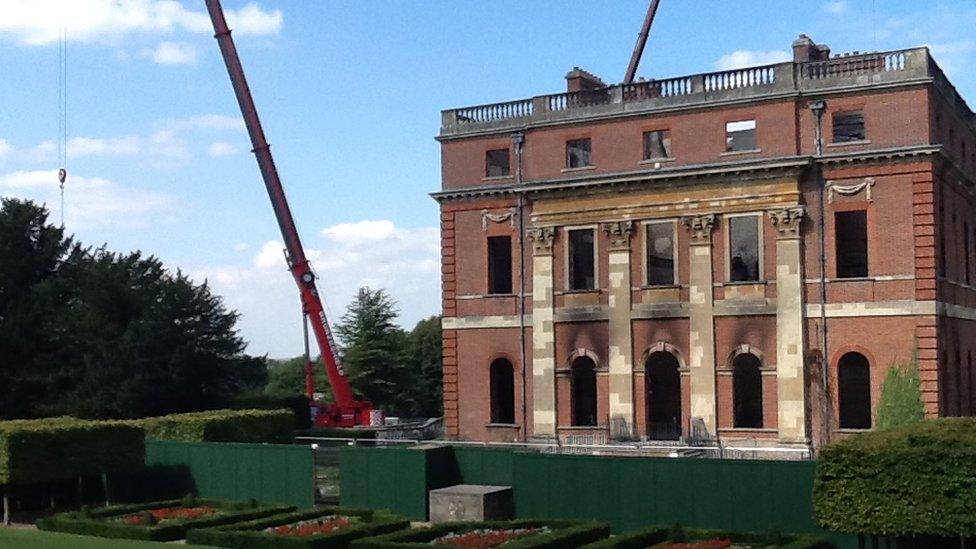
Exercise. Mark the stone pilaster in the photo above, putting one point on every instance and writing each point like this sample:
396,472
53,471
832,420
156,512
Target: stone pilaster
621,365
789,325
701,353
543,334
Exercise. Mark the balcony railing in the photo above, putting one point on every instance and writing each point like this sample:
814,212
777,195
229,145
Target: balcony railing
752,82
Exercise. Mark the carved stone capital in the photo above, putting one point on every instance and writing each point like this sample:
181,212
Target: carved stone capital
542,239
788,220
700,227
619,233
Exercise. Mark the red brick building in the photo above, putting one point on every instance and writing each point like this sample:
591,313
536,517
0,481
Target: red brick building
643,260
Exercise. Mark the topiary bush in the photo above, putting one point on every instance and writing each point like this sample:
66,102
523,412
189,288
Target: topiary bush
271,426
913,480
42,450
297,403
252,534
109,522
561,533
652,535
901,396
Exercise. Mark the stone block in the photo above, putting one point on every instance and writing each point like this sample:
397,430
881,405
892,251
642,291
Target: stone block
470,502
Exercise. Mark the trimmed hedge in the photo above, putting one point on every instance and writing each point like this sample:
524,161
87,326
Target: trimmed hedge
271,426
42,450
919,479
298,404
657,534
103,522
250,535
564,533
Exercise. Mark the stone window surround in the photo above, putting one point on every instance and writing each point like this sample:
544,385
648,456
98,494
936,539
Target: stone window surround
674,251
728,247
595,227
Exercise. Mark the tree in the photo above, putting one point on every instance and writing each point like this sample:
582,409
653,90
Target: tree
425,367
288,376
373,351
901,396
98,334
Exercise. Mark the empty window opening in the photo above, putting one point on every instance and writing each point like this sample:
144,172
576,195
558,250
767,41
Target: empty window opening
582,259
848,126
966,244
747,393
851,236
663,386
578,153
583,388
497,164
854,391
744,248
740,136
502,392
499,264
660,254
657,145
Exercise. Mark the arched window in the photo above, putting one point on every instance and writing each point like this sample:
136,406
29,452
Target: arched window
502,391
854,391
747,392
583,391
663,386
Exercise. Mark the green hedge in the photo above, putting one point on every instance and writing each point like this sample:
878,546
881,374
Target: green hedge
41,450
918,479
564,533
250,535
298,404
271,426
650,536
103,522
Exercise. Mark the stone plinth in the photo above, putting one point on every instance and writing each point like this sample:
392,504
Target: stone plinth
470,502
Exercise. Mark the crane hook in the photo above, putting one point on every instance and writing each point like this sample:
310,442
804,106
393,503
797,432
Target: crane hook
62,176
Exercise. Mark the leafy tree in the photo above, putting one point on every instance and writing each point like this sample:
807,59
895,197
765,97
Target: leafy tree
373,351
288,376
425,367
901,396
98,334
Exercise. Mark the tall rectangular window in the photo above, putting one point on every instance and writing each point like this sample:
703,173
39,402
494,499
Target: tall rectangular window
499,264
851,237
966,266
660,254
582,259
578,153
657,145
848,126
740,136
496,163
744,248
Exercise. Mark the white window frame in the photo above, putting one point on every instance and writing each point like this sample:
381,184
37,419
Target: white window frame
728,246
647,243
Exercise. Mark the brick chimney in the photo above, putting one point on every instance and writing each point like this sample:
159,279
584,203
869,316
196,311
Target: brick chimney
805,49
578,79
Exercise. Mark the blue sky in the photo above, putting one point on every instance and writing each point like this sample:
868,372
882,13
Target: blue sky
350,94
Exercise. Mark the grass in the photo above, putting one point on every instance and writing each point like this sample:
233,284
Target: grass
11,538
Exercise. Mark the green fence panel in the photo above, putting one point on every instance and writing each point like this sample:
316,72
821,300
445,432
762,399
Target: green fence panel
272,473
492,466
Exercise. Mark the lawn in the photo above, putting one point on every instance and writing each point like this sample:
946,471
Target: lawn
11,538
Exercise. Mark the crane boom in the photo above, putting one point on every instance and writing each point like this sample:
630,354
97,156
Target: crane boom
347,410
641,41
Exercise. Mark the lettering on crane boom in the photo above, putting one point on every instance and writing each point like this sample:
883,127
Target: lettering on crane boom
332,347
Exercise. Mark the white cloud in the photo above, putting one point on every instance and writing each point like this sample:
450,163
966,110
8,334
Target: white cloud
90,146
241,247
749,58
836,7
90,201
205,122
375,253
221,148
38,22
172,53
5,148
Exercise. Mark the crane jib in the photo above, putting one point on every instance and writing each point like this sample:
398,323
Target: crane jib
332,347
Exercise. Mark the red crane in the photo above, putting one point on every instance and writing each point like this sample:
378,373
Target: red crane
346,411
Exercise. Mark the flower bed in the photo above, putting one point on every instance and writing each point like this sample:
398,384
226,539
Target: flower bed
325,527
675,537
515,534
157,521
